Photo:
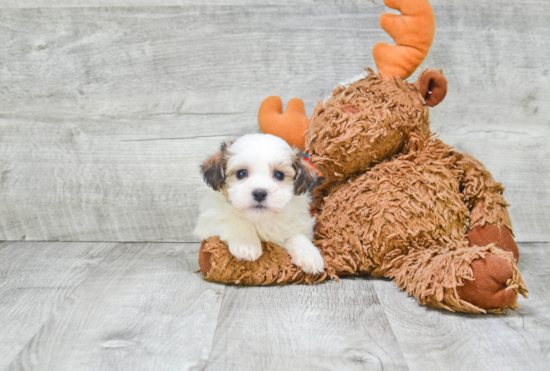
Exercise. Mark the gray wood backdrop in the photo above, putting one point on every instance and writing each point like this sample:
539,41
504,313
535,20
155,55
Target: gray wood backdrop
108,107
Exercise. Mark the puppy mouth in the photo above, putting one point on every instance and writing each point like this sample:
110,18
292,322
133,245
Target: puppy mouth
259,207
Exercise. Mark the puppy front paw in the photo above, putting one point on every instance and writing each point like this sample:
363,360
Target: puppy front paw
310,262
305,255
249,249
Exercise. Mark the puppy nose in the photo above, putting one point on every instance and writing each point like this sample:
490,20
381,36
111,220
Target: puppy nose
259,194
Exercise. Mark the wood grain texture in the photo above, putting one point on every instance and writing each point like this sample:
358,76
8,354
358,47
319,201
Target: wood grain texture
143,3
35,280
332,326
142,309
150,191
433,339
133,3
532,320
108,107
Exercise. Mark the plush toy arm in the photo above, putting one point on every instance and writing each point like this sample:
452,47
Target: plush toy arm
290,125
469,279
489,219
483,195
273,267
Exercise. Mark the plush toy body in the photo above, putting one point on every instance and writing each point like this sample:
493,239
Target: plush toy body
395,201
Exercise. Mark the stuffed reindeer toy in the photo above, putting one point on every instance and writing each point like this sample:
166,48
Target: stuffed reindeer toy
395,201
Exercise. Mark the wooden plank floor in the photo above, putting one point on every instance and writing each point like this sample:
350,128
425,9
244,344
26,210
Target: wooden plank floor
107,107
139,306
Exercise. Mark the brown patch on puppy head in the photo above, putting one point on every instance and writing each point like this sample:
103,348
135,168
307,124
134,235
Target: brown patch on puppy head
306,177
213,169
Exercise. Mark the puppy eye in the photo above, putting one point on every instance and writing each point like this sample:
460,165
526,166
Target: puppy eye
242,174
279,175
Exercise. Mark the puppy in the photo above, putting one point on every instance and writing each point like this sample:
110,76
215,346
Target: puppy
260,193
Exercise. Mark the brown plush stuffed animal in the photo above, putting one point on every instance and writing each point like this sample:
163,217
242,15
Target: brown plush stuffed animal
395,201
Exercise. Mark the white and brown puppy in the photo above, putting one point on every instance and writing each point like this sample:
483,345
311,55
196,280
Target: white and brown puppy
260,193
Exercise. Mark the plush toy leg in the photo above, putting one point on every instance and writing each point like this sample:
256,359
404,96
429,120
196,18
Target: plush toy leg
475,280
490,273
488,288
273,267
483,195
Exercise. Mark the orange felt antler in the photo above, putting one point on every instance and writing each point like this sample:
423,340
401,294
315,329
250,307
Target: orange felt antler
290,125
413,32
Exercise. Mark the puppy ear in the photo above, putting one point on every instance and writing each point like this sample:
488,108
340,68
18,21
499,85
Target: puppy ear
213,169
306,176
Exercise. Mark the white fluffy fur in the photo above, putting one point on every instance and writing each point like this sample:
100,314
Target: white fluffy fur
234,216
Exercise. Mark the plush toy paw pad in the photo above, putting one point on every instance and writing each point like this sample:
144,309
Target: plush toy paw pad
488,289
205,262
499,235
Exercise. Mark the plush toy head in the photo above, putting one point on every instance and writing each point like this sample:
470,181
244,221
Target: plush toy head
413,32
370,120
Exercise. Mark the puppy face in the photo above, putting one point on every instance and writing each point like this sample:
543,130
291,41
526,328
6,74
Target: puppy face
259,174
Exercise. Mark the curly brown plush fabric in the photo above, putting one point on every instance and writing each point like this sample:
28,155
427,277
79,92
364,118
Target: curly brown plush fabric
483,195
434,277
344,142
272,267
396,202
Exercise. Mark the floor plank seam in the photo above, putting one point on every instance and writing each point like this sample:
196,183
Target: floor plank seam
215,329
391,326
54,312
